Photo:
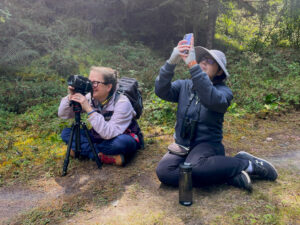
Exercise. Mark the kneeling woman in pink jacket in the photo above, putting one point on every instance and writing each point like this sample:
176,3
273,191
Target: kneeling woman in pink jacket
115,132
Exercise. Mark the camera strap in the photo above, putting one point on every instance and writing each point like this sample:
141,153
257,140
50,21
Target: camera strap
199,108
100,105
192,96
194,122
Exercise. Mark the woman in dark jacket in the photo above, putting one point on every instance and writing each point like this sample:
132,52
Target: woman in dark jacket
202,103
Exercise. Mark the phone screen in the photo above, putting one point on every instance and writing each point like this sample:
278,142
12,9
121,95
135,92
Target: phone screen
188,37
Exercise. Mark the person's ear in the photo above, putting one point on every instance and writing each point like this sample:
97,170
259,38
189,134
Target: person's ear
220,72
109,87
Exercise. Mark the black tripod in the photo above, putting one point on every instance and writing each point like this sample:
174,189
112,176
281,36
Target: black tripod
76,131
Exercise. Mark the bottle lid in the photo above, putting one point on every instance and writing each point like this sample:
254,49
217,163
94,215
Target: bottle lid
186,166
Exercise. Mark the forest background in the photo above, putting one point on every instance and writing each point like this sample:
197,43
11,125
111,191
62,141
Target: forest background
43,42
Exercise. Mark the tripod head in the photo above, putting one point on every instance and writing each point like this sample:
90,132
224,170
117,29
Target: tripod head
77,109
76,106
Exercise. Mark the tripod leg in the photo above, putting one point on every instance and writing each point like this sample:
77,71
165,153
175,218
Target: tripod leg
77,140
66,161
99,164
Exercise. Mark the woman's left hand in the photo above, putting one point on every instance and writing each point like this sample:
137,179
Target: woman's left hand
82,100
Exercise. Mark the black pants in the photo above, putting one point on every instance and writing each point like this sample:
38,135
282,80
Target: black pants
209,165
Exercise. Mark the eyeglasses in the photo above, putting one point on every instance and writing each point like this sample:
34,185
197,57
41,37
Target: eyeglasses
96,83
208,60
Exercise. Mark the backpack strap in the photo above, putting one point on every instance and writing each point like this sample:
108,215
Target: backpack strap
117,96
134,128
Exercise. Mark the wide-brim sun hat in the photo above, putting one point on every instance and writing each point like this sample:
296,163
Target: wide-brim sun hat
215,54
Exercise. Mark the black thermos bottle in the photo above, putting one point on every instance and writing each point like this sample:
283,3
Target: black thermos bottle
185,184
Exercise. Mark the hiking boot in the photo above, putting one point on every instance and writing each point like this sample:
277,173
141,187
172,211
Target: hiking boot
72,153
76,155
261,168
242,180
112,159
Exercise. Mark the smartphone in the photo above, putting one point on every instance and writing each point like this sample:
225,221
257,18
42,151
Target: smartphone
188,38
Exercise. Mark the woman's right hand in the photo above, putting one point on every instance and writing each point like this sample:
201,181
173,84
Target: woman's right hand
71,91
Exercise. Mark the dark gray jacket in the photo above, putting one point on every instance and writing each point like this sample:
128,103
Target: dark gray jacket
207,107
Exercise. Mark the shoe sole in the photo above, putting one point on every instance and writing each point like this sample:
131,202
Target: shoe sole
252,157
246,184
249,188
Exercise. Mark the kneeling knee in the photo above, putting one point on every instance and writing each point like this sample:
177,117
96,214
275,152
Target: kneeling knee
165,176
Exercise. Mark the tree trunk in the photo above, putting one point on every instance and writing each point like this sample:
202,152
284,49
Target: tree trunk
213,8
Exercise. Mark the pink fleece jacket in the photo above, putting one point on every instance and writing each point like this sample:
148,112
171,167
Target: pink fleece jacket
119,122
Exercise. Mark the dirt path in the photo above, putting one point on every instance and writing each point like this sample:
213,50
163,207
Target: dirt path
290,160
14,201
133,195
18,199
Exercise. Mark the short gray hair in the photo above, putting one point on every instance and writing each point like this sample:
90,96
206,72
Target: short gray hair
110,76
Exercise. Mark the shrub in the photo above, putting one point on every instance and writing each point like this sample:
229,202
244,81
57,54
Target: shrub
17,96
270,80
159,112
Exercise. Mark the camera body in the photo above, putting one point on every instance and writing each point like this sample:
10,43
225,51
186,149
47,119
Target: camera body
80,84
